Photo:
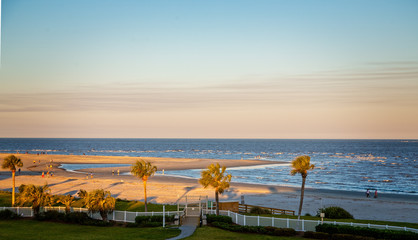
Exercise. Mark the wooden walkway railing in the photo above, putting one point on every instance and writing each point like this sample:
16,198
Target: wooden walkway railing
245,208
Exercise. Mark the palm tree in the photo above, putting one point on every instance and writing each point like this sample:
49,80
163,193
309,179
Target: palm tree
11,162
67,200
38,196
98,201
143,170
215,177
302,165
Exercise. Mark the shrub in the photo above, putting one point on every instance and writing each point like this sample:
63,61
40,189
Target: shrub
97,223
335,213
7,214
316,235
158,218
142,219
218,218
50,215
285,232
349,237
270,229
367,232
76,217
255,229
152,221
259,210
152,224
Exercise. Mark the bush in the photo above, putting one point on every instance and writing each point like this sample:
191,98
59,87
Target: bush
259,210
152,221
367,232
349,237
50,216
152,224
218,218
316,235
335,213
76,217
7,214
97,223
270,229
285,232
142,219
255,229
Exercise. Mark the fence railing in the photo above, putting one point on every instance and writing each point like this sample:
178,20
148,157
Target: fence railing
127,216
246,208
119,216
302,225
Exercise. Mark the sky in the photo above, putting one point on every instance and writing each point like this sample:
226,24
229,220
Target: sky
313,69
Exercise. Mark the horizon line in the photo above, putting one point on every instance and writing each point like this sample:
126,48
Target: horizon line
212,138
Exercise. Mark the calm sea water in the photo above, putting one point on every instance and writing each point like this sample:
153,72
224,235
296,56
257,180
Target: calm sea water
387,165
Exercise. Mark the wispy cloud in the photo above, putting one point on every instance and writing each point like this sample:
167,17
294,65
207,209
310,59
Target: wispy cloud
388,84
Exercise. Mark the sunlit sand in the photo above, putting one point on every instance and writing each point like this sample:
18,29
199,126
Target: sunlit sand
169,189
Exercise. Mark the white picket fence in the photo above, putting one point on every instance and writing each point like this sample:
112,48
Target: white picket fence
127,216
304,225
120,216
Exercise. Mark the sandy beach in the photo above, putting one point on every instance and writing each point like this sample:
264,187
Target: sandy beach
169,189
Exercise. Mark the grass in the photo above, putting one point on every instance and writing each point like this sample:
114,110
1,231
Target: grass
137,206
216,233
5,199
44,230
399,224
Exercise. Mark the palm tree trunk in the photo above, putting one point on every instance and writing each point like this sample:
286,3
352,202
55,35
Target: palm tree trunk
13,189
103,214
302,191
217,201
145,195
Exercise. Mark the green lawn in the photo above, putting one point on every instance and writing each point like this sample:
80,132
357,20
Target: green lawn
137,206
30,229
5,199
216,233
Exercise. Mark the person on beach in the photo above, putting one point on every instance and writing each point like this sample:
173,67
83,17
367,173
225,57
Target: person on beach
43,174
118,172
18,171
375,193
368,193
113,172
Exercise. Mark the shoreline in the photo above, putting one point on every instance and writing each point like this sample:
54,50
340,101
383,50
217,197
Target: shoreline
170,189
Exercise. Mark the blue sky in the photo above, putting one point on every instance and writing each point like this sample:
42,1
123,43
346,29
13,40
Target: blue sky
227,69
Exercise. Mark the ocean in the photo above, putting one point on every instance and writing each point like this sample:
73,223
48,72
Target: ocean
389,166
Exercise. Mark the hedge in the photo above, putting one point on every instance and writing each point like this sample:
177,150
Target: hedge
316,235
335,213
152,221
255,229
210,218
367,232
7,214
